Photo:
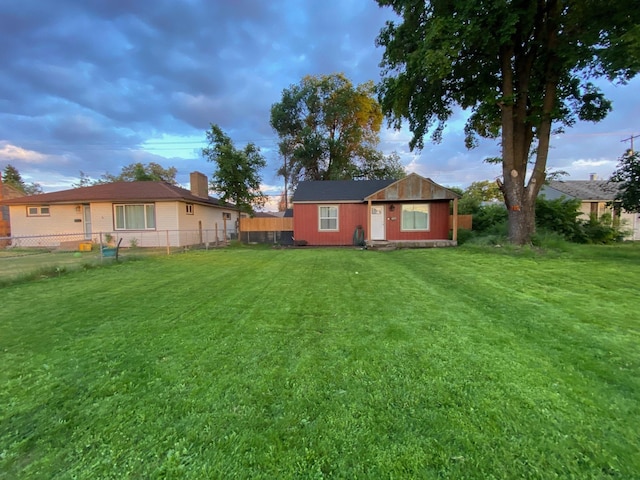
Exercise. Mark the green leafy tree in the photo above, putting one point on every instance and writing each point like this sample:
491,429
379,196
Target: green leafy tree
521,68
139,172
561,216
627,174
484,191
11,176
329,130
381,166
236,177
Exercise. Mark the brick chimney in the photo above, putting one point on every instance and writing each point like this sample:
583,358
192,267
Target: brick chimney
593,176
199,184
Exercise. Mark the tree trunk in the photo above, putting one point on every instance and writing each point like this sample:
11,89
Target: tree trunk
522,224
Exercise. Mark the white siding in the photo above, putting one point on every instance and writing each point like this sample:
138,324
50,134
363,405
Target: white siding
61,220
173,224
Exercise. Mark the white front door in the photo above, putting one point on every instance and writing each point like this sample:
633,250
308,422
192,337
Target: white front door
377,223
87,221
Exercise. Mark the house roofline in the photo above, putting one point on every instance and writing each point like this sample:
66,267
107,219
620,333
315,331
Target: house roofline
330,202
414,174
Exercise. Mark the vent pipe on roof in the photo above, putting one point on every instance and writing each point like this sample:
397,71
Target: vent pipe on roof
199,184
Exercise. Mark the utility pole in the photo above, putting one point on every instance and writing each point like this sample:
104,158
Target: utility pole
630,139
286,186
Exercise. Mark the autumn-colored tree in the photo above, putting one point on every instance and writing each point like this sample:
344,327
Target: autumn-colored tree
329,130
519,67
283,202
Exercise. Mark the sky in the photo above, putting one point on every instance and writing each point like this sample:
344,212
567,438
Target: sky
94,85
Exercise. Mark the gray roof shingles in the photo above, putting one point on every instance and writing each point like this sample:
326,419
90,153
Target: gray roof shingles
595,190
338,190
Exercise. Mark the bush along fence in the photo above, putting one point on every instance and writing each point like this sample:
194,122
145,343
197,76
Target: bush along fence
166,239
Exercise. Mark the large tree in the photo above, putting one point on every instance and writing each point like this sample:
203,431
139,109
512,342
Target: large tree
329,130
237,174
628,175
11,176
520,68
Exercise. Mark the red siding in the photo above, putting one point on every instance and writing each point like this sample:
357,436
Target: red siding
305,223
350,215
438,224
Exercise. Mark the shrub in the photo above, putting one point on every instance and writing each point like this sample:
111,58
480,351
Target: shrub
560,216
464,235
491,219
602,230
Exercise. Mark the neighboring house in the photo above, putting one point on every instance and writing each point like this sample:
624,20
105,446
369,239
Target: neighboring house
411,211
7,192
152,213
597,198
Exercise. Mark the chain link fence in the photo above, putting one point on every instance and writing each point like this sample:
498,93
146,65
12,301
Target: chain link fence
43,254
153,239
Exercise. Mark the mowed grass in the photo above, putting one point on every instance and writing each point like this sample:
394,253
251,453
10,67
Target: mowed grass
326,363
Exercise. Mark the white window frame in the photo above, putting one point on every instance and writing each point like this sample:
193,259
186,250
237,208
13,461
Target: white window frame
38,211
328,217
189,208
146,206
414,207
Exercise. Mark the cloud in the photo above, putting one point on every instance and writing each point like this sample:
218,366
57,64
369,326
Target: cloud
90,85
591,163
12,153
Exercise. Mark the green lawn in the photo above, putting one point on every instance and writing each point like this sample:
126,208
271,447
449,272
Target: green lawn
31,263
326,363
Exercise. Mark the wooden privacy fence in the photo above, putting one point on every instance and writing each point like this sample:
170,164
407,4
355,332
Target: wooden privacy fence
266,224
464,222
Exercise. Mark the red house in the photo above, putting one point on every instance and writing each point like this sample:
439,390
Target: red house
413,211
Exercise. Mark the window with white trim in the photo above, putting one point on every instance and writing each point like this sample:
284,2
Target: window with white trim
38,211
415,217
135,216
189,208
328,218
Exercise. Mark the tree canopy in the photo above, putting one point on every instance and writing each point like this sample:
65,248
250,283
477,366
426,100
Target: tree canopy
139,172
520,68
329,130
237,174
134,172
11,176
484,191
628,174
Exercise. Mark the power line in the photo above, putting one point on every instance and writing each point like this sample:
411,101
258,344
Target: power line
630,139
